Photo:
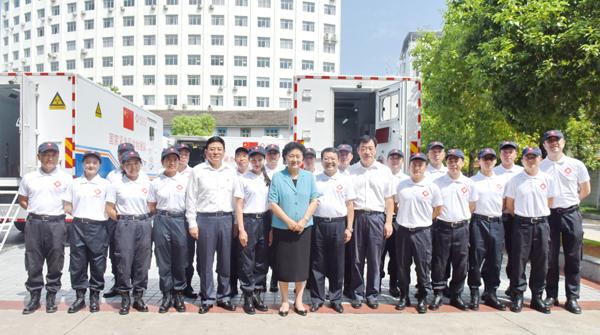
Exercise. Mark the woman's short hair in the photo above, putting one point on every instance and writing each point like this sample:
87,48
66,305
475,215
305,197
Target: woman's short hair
293,146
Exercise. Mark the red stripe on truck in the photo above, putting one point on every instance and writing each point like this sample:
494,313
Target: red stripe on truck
295,103
73,96
341,77
295,87
295,120
358,77
309,77
73,113
43,73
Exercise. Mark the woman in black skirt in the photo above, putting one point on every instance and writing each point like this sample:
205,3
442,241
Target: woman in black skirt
293,200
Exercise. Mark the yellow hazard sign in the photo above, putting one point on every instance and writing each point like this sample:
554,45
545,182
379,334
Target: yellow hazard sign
57,103
98,111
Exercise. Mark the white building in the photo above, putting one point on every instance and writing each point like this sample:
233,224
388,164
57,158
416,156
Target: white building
177,54
406,59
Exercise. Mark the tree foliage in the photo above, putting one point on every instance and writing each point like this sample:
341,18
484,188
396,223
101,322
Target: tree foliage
510,69
194,125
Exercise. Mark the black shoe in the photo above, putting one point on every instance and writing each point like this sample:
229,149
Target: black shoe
259,304
315,307
178,302
283,313
94,301
165,303
248,305
438,300
517,303
227,305
204,308
490,299
394,291
138,302
422,305
338,307
301,312
113,292
539,305
474,304
457,302
373,304
572,306
273,288
188,292
51,302
551,301
33,304
79,302
356,304
508,292
125,303
401,302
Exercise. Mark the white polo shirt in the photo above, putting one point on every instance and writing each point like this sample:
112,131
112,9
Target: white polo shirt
169,192
271,172
398,177
433,173
210,190
88,197
116,175
187,172
508,173
255,192
45,191
416,202
371,185
334,192
530,193
567,173
129,196
456,195
490,194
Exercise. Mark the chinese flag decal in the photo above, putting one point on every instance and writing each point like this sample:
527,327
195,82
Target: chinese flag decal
128,118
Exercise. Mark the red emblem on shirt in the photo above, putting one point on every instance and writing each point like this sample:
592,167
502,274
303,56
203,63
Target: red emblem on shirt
425,194
339,187
145,190
179,187
543,186
57,184
97,191
464,189
499,186
568,171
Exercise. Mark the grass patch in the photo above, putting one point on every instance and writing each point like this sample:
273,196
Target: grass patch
590,210
591,243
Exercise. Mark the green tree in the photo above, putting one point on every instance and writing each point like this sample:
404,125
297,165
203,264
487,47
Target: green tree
193,125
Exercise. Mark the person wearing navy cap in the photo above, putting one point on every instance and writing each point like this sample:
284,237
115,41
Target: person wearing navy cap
345,151
346,156
251,193
272,159
418,201
486,232
436,155
242,163
127,204
310,159
572,182
88,241
451,231
41,193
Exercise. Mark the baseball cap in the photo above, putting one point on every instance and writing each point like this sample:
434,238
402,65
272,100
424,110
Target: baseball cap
183,146
241,149
395,152
553,133
47,146
272,147
169,151
486,152
310,152
434,144
130,155
344,147
505,144
124,147
92,153
417,156
257,150
532,151
456,153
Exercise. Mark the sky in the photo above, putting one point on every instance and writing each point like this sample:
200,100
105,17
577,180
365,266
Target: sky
373,32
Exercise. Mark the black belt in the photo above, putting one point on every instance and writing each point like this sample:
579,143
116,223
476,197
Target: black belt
413,230
565,210
455,224
169,213
46,217
488,218
255,215
133,217
88,221
531,220
219,213
367,212
323,219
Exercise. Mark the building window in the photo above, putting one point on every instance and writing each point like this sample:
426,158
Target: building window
127,80
150,2
194,39
53,66
216,100
328,67
193,100
108,22
149,99
149,20
88,43
40,13
240,81
172,20
308,26
329,9
107,42
128,3
107,62
171,60
172,2
329,28
109,4
88,24
308,45
240,61
264,42
264,22
171,39
287,4
262,102
55,29
264,3
193,59
39,50
264,82
241,21
216,80
285,103
170,99
308,65
171,79
39,67
149,40
308,7
128,21
263,62
217,60
218,2
217,40
149,80
127,60
217,20
89,5
195,20
71,26
273,132
245,132
72,45
286,24
55,11
107,81
221,131
241,3
285,43
40,31
328,47
128,41
88,63
193,80
240,41
285,83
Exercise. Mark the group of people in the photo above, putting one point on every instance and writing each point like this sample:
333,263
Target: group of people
310,225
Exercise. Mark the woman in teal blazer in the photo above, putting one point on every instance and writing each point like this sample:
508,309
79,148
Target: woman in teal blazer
293,200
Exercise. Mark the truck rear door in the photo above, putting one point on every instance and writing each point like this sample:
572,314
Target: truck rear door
28,125
389,120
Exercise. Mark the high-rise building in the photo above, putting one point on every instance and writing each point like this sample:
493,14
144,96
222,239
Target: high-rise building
177,54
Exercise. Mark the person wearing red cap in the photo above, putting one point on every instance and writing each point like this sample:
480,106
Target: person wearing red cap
88,241
41,193
572,181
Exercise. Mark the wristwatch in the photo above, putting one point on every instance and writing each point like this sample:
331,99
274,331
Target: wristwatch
350,229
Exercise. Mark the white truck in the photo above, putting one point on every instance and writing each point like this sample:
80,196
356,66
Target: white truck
75,113
331,110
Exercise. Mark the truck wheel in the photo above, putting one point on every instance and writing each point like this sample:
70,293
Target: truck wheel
20,226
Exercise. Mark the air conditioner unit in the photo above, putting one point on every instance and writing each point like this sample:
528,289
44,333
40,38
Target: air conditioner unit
333,38
53,0
170,107
22,24
199,6
122,8
4,14
74,14
24,60
153,7
220,87
82,13
165,7
54,55
211,7
289,91
184,106
326,36
234,89
84,51
110,9
49,54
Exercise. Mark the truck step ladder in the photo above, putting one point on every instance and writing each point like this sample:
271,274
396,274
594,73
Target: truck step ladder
8,216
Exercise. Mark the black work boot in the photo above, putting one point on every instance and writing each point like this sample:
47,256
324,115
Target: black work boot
178,302
249,304
457,302
125,303
421,304
258,302
79,302
51,302
572,306
517,302
94,301
34,302
402,300
138,301
165,303
491,299
474,304
539,305
438,297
